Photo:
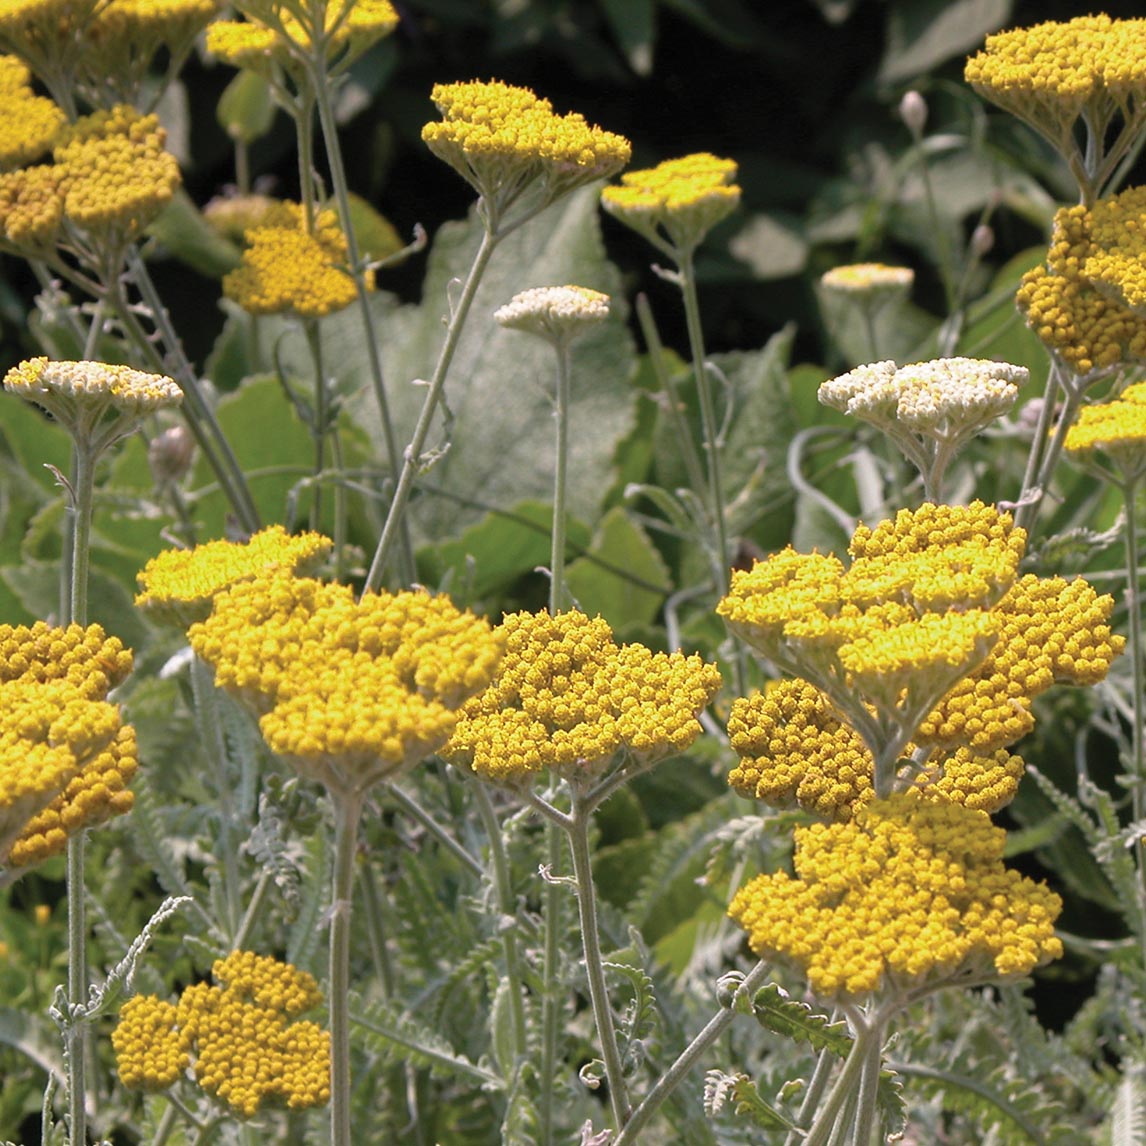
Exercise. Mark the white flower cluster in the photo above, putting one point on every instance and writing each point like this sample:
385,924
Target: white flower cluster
868,279
129,391
558,314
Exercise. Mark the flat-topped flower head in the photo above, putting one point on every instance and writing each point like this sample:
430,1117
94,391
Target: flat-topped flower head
505,141
240,1038
557,314
86,658
1113,433
290,268
1082,320
568,698
114,173
274,35
907,897
179,585
28,122
124,38
1116,262
348,692
1052,74
869,281
929,409
31,209
675,204
96,402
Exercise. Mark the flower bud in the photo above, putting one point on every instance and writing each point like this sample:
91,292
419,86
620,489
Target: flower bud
170,454
982,240
913,112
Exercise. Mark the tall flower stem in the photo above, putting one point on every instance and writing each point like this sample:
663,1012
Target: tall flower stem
347,815
338,182
561,418
320,415
499,864
1138,675
412,455
551,960
688,1058
84,458
578,832
847,1081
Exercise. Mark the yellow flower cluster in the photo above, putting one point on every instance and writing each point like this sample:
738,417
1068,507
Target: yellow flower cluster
28,122
57,732
567,697
1081,323
31,208
1115,429
502,139
274,34
45,31
681,199
347,691
241,1039
869,280
179,585
909,896
1050,630
1117,247
114,174
289,267
795,751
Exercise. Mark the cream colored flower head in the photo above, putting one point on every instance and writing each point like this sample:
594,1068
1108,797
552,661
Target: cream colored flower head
557,314
868,279
96,402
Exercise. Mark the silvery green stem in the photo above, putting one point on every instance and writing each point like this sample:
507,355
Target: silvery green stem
412,455
550,1008
1138,676
561,417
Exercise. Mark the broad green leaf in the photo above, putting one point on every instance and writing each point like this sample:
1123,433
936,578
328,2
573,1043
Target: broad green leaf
377,238
623,577
186,234
923,33
502,440
489,556
772,248
246,109
33,440
633,26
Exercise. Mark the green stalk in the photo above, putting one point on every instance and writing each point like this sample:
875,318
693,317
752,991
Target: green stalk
688,1058
578,832
1138,687
503,886
550,1005
377,931
338,181
410,462
347,814
866,1108
814,1091
557,558
320,415
820,1132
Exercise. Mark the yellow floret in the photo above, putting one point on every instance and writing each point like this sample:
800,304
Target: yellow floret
28,122
567,697
150,1054
31,207
179,585
909,896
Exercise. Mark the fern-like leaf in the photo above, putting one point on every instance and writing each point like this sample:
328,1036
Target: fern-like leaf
775,1009
1128,1117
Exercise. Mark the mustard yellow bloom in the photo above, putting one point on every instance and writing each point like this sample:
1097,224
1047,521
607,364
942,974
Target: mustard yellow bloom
241,1038
288,268
1116,430
31,208
96,793
568,698
503,140
274,35
1055,75
347,691
179,585
1086,326
679,200
48,34
910,895
114,173
89,660
28,122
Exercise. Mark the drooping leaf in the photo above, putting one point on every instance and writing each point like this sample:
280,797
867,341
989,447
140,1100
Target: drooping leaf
775,1009
923,34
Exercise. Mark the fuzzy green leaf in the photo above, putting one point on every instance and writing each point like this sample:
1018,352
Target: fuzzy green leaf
776,1010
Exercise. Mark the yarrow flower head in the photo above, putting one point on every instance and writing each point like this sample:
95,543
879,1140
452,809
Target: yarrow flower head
96,402
869,280
290,268
557,314
28,122
505,141
180,585
57,730
568,698
273,35
1114,432
929,409
909,896
348,692
1082,319
1052,74
240,1039
675,204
